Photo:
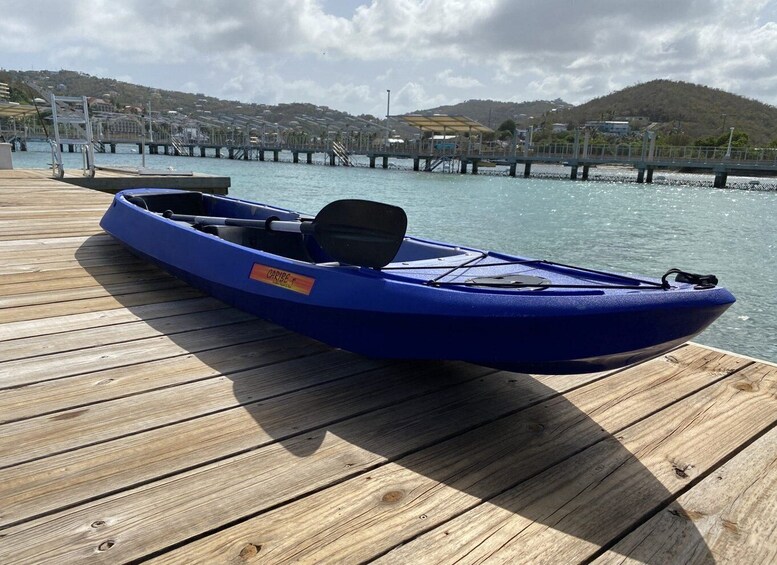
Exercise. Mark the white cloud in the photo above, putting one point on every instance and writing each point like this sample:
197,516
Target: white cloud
447,78
428,52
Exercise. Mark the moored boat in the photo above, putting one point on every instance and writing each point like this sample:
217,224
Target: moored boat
351,278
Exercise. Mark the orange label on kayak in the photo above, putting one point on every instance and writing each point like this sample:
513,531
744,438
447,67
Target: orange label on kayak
283,279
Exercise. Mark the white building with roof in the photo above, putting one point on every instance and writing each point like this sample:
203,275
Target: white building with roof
610,127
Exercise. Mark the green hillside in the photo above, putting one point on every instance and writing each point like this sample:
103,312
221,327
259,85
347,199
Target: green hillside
27,84
681,112
689,111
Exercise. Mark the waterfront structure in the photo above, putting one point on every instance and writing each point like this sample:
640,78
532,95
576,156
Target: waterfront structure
610,127
442,143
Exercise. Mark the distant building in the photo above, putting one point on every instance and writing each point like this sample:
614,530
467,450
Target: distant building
634,121
99,105
559,128
125,126
610,127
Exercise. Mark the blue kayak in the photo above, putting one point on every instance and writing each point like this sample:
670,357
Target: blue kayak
351,278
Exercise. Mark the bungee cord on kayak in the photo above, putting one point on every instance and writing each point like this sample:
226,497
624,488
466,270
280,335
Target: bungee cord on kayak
518,280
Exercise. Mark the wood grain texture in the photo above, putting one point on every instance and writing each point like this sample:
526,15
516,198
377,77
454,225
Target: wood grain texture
141,420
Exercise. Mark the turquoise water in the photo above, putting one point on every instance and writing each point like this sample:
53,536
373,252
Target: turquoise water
608,224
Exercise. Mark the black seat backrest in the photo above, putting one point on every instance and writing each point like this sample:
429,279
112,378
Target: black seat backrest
285,244
189,203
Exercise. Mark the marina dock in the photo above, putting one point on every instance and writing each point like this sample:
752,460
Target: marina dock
112,180
142,421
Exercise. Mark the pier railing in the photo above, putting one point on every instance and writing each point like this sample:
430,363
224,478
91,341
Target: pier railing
613,153
629,154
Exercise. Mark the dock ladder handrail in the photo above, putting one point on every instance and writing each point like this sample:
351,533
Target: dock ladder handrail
447,162
342,153
70,116
177,146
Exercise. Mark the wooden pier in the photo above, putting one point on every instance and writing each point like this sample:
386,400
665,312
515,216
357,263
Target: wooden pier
516,160
112,180
143,421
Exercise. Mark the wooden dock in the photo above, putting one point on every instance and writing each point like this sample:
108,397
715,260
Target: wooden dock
142,421
112,180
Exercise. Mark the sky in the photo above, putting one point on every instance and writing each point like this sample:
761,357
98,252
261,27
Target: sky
346,54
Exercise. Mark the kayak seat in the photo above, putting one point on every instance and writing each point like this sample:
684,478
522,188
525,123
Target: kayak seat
189,203
285,244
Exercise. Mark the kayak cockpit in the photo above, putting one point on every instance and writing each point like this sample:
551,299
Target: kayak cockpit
296,246
199,204
290,245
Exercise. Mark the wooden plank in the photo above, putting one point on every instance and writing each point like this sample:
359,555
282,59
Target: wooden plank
97,304
73,477
730,516
74,255
75,275
49,266
568,512
131,331
34,233
48,194
74,322
438,483
196,393
51,367
100,422
85,261
56,214
49,226
55,243
91,388
47,284
61,254
216,449
161,513
92,291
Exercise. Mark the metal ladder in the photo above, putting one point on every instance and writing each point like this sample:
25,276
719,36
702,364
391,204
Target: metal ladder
446,161
178,148
70,115
342,153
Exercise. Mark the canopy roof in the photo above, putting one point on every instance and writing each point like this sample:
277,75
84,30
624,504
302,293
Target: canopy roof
443,123
14,110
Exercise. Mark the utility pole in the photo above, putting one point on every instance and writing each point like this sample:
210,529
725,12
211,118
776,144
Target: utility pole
730,139
388,112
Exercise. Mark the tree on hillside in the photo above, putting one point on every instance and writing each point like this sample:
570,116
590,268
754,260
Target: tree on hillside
507,125
738,139
506,130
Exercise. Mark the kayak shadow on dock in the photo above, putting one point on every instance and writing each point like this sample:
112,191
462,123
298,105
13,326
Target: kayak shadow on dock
554,452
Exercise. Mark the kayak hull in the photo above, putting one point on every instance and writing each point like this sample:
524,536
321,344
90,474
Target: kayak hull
389,314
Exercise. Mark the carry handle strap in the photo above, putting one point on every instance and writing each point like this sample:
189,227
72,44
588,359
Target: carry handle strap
701,281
